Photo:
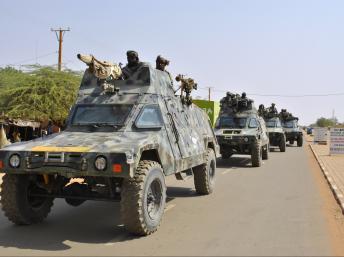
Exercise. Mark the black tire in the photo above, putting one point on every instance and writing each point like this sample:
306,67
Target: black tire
300,141
265,153
138,200
256,155
225,156
204,175
74,202
17,204
282,144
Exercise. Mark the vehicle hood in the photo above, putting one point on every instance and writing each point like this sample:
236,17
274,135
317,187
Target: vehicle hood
104,142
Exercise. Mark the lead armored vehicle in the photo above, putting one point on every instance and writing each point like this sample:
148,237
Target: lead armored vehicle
291,128
274,127
122,138
240,130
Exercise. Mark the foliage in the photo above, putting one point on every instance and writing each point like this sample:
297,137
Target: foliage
40,94
324,122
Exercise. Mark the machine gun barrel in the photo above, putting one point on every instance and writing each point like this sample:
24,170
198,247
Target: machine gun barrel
101,69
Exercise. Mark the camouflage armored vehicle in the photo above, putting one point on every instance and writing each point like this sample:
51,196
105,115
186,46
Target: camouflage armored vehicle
240,130
274,127
291,128
122,138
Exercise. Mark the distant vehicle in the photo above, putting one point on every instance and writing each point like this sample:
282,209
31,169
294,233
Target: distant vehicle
242,131
293,131
309,130
123,137
276,133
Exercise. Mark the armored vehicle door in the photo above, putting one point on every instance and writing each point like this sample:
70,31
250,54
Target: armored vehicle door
172,131
179,126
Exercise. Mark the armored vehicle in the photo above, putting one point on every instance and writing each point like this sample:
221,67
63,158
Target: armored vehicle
291,128
240,130
122,138
274,127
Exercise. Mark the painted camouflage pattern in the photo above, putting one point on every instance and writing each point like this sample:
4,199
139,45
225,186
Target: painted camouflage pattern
181,143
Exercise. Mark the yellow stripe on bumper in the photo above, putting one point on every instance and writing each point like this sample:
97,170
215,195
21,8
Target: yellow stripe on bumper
72,149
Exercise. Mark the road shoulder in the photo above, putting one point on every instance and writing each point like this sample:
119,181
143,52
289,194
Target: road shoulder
331,210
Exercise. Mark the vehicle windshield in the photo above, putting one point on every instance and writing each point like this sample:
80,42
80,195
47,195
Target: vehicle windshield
232,122
101,115
273,124
289,124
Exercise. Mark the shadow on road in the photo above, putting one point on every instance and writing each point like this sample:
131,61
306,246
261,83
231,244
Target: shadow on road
180,192
234,162
91,223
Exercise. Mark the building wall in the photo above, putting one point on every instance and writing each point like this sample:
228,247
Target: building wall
212,108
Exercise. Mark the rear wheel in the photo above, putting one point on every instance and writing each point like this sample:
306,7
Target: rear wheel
19,203
256,155
144,199
265,153
204,175
282,145
300,141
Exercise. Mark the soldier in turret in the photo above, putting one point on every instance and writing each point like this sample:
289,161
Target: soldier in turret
161,64
133,64
273,109
261,110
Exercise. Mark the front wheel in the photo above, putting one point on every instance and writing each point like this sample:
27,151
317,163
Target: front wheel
204,175
19,202
282,145
300,141
256,155
143,199
265,153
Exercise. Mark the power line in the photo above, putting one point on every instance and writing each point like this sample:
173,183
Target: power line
278,95
29,60
59,35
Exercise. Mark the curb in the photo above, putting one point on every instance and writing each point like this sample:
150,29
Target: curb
337,194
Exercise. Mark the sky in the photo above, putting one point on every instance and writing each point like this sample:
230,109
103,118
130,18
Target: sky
286,52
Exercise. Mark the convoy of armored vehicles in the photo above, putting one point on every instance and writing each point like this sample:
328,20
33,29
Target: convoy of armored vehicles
128,130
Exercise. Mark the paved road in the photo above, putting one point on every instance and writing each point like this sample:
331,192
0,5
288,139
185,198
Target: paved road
272,210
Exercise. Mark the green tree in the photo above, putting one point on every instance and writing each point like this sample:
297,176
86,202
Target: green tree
324,122
41,94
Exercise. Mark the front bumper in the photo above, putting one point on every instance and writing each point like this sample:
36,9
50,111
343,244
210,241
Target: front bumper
293,135
68,164
275,138
234,144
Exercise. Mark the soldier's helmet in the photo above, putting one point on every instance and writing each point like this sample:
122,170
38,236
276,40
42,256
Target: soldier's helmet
132,56
243,95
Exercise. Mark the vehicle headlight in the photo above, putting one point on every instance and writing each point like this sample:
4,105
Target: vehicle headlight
15,161
100,163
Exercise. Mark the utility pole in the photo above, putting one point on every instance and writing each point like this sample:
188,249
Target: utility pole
59,35
209,93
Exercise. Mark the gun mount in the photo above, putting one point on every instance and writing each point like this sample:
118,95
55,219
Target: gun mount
186,85
104,71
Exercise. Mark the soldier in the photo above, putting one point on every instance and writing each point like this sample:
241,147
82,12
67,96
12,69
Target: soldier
261,110
273,109
133,64
161,63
